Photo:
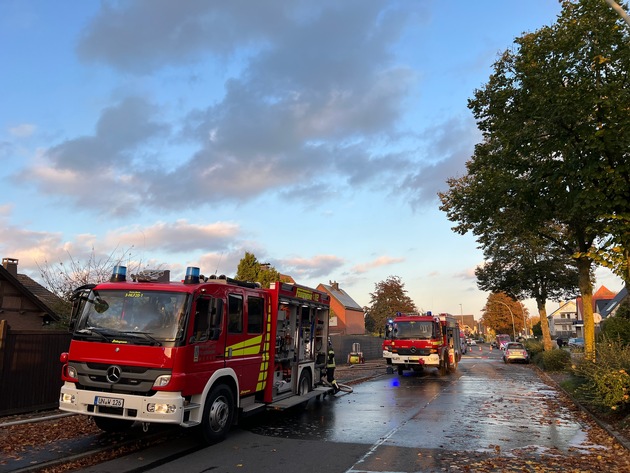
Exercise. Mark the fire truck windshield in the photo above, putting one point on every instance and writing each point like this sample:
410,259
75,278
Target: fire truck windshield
136,316
414,330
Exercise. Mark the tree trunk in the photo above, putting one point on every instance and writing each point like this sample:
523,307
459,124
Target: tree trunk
586,290
544,325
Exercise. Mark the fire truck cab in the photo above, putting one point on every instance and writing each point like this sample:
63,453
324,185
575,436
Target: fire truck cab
414,341
200,352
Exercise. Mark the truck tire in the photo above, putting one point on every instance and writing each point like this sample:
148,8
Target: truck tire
218,414
109,424
444,366
400,369
305,384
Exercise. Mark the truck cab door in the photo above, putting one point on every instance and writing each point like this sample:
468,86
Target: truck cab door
207,340
245,348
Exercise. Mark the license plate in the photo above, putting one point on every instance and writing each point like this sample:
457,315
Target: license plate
108,401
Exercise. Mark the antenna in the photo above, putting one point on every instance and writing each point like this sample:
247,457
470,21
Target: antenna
218,263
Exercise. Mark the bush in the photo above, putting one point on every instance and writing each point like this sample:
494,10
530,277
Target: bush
616,328
554,360
607,382
534,347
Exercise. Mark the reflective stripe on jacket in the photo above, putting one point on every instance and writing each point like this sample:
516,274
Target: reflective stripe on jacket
331,359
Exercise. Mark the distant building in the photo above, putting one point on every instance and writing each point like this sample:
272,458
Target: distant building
347,317
562,321
25,304
601,298
467,323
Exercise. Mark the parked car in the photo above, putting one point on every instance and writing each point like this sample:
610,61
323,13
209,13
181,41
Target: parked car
471,342
576,342
515,351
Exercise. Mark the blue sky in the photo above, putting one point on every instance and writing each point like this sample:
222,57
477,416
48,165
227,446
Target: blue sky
312,134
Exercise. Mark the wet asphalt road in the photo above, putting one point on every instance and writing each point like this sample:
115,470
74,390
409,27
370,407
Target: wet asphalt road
473,420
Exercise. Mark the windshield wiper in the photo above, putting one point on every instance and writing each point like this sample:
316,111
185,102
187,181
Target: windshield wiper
144,335
91,331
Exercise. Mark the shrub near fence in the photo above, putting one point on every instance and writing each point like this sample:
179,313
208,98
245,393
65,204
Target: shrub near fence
30,370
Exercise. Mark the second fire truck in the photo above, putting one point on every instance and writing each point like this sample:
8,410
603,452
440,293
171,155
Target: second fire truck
199,352
414,341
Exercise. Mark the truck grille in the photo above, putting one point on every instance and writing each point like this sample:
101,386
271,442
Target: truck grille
413,351
117,378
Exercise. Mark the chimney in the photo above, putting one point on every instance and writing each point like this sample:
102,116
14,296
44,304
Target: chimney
10,264
334,285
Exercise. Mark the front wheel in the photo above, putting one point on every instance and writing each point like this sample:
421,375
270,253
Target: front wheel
400,369
218,415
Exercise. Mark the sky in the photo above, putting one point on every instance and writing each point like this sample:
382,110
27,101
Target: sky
315,135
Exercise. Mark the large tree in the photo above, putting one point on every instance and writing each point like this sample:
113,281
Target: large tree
389,297
556,135
526,266
502,314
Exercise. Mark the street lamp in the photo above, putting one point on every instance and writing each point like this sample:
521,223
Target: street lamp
513,327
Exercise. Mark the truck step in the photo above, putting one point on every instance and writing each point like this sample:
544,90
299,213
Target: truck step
191,407
252,408
190,423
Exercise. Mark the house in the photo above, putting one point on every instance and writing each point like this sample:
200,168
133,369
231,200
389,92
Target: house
347,317
467,323
25,304
601,298
611,309
562,321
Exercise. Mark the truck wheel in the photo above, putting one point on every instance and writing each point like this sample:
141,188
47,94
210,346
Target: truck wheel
444,367
108,424
218,414
305,383
400,369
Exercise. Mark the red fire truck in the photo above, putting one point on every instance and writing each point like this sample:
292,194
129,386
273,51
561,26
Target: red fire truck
199,352
414,341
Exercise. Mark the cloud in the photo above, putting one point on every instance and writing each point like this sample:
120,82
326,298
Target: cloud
23,130
450,145
377,263
309,268
178,236
314,100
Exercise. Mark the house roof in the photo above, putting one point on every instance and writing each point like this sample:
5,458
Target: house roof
601,298
612,305
36,293
342,297
568,306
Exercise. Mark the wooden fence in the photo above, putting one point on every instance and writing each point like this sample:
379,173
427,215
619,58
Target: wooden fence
30,370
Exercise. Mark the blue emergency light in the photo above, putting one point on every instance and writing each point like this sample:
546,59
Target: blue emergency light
119,274
192,275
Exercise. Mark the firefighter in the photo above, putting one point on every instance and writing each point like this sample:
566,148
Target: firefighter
330,367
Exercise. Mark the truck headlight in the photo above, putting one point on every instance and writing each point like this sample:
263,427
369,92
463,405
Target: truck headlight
67,398
72,372
161,408
162,381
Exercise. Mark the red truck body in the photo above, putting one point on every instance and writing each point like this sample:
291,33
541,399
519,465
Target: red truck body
414,341
197,352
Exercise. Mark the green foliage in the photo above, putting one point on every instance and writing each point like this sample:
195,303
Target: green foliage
533,347
250,269
537,329
389,297
624,310
616,328
553,360
607,382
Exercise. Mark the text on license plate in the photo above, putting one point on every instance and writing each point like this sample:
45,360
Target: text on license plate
108,401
